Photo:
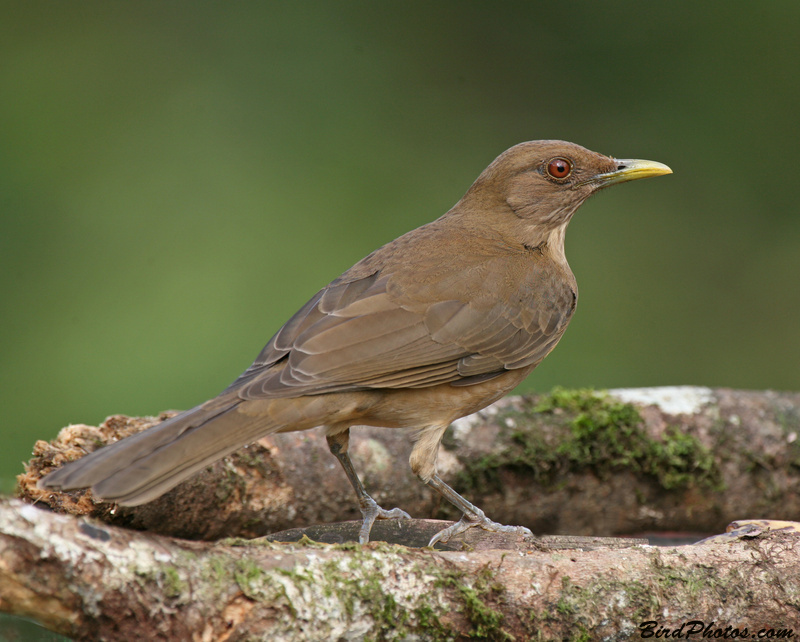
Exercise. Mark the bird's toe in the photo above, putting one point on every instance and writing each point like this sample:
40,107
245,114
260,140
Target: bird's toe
471,521
371,511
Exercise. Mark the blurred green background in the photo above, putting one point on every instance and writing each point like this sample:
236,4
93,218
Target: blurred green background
177,178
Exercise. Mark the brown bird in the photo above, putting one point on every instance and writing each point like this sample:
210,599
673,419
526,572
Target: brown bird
431,327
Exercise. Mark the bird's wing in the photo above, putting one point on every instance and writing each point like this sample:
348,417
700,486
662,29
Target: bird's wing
384,331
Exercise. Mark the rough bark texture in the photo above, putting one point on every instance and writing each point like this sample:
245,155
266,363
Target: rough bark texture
676,459
688,459
92,581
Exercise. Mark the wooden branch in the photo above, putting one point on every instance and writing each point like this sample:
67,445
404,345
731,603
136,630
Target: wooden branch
570,461
92,581
676,459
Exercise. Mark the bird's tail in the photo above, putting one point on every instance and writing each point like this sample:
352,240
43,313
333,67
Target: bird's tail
144,466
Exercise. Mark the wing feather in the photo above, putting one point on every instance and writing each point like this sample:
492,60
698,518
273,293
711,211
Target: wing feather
387,330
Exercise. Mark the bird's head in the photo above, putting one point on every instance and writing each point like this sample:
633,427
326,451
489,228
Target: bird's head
544,181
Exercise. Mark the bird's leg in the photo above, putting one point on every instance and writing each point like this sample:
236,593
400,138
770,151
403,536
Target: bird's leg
338,444
423,464
472,516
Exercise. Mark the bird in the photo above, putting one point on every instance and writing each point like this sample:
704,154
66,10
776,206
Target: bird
433,326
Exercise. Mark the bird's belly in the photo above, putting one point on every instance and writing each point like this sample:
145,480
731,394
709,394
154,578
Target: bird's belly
443,404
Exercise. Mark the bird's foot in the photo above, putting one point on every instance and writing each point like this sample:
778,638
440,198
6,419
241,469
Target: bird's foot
371,511
479,519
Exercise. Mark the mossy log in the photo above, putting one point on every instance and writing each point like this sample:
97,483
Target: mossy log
91,581
576,462
569,462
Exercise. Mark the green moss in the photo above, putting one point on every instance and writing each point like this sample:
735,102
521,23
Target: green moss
174,585
259,542
166,578
572,606
573,599
575,430
256,460
684,587
367,590
428,621
477,594
255,582
231,484
356,585
637,600
215,571
169,579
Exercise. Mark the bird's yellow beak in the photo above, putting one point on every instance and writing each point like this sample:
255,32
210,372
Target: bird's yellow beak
630,169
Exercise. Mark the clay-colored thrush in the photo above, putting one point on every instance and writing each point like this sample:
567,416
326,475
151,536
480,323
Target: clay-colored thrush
433,326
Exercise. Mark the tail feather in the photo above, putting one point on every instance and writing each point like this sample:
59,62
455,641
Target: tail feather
144,466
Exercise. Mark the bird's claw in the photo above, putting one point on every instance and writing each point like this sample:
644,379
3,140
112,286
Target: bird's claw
478,519
371,511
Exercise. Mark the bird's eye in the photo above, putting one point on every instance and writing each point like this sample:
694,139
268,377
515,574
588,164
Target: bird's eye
559,168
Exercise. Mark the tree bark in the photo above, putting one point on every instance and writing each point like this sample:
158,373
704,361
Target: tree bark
91,581
576,462
571,461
